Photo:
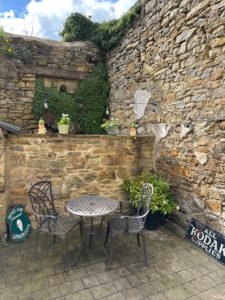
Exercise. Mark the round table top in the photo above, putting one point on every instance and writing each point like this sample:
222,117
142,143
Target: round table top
91,206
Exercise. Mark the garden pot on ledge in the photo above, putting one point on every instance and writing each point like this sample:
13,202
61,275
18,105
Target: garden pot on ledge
112,130
133,132
63,128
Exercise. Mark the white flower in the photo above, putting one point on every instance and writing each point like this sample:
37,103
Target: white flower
46,105
177,207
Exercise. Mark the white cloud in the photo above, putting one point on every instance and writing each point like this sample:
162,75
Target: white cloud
46,17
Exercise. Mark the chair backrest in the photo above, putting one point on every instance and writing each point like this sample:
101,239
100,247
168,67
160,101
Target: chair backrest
41,199
146,197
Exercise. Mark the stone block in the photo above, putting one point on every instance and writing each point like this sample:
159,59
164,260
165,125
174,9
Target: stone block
214,206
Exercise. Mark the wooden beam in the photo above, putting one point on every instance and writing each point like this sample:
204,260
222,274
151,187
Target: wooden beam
55,73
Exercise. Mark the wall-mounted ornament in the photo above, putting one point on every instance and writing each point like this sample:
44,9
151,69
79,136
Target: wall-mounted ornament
141,98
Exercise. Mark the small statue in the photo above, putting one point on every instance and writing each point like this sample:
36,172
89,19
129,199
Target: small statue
41,127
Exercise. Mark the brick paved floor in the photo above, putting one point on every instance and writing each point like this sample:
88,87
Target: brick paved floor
177,271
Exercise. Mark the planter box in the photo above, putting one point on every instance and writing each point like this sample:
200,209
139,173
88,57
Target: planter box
153,220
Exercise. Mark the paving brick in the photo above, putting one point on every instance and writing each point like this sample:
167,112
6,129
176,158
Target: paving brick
133,280
82,295
189,274
56,279
75,273
178,293
133,293
90,281
70,287
96,268
159,296
118,296
148,275
110,275
121,284
48,293
103,290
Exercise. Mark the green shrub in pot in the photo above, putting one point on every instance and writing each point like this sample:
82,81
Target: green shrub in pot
163,199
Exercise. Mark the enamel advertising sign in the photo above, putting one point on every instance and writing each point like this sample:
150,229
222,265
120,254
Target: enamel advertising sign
207,239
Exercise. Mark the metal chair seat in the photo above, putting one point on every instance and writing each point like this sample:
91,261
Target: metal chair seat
122,225
59,225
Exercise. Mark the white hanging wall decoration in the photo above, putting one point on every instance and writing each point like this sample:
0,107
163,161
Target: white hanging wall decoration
141,98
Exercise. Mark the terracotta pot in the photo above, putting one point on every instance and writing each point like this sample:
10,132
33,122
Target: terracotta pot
41,129
133,132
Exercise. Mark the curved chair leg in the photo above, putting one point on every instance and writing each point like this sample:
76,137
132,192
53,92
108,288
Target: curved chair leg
54,238
107,236
138,240
145,249
109,262
81,243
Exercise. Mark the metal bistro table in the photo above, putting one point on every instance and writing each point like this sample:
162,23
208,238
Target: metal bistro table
90,205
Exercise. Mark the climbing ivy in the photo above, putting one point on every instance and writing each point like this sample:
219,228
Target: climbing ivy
106,34
86,107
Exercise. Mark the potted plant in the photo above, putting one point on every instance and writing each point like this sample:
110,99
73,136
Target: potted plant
163,202
64,124
133,129
111,126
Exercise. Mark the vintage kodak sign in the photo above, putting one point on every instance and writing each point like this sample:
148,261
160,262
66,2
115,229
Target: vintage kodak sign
207,239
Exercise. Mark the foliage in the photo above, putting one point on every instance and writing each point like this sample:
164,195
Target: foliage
106,34
110,123
65,119
86,107
5,46
163,198
92,97
77,28
57,102
133,125
25,55
41,122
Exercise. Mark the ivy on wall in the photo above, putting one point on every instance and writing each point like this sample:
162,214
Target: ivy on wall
86,107
106,34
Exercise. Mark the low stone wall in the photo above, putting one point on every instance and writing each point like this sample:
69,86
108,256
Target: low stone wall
75,164
168,72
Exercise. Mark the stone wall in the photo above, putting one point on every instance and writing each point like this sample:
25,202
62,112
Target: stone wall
168,72
2,180
58,63
75,164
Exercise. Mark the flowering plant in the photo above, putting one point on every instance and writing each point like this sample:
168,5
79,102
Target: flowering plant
65,119
133,125
110,123
5,47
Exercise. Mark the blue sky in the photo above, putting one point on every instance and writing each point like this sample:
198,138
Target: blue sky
45,18
16,5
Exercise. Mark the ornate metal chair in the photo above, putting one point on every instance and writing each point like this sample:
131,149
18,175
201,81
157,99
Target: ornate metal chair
47,217
130,224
